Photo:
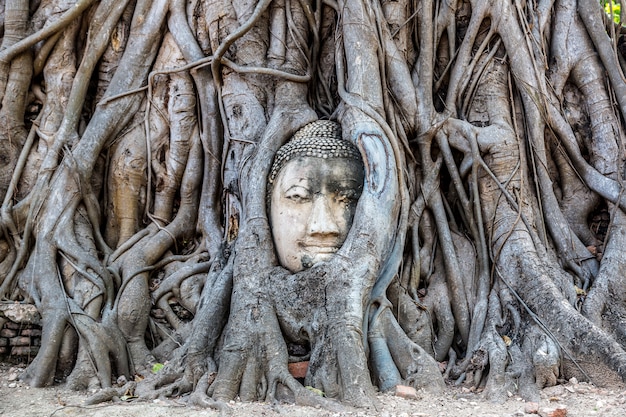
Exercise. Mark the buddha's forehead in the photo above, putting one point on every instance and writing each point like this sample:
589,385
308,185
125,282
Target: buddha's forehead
313,171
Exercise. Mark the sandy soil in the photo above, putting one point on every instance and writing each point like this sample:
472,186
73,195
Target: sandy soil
569,399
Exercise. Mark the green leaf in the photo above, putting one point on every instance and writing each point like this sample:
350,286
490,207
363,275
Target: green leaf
315,390
157,367
616,9
127,397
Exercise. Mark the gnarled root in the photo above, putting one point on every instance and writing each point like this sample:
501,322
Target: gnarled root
254,364
395,358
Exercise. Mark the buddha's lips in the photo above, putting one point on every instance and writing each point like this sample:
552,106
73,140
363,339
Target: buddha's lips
320,248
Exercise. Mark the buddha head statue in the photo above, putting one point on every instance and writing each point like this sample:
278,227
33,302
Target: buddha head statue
314,185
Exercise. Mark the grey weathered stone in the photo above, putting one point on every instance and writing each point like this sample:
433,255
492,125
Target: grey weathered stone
20,313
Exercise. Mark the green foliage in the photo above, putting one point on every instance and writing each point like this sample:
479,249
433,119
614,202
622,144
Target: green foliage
316,391
157,367
612,8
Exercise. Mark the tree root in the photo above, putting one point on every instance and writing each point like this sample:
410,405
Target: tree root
396,358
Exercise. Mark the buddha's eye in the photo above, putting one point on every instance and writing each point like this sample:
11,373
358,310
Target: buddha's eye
298,194
346,196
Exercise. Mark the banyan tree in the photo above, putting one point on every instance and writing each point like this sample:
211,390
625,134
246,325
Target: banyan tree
467,158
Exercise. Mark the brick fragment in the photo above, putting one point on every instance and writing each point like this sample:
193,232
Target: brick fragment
298,369
405,391
553,412
531,408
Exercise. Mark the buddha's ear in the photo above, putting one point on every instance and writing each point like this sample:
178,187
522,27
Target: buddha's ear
376,161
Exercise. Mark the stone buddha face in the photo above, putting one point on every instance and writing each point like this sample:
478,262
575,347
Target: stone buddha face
315,189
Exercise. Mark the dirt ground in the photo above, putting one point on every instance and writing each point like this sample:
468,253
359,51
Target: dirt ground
569,399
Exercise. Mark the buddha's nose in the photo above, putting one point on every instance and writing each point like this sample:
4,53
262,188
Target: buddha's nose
321,220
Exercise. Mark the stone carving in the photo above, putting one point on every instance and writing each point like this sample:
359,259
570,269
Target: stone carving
315,182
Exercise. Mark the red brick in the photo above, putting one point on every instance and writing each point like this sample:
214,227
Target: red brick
298,369
20,341
30,332
24,351
8,333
